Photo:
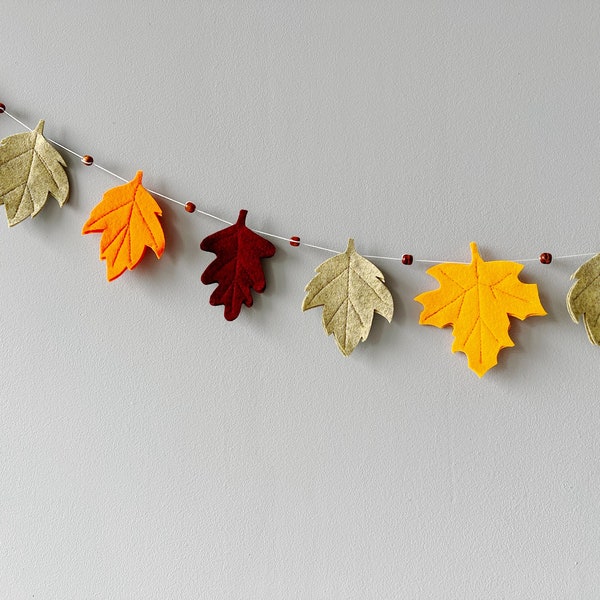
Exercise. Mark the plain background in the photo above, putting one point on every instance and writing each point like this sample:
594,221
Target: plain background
149,449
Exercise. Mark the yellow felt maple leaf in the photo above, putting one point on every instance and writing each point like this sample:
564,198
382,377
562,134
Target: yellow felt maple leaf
127,217
351,289
476,300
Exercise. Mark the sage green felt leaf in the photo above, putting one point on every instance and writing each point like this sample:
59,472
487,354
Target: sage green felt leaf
351,289
30,169
583,298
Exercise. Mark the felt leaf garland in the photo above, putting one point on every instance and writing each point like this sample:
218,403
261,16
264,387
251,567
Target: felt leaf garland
127,217
351,289
30,169
476,300
583,298
237,268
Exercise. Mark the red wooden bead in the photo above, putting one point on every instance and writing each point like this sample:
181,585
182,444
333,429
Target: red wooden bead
407,259
2,108
545,258
87,160
190,207
295,241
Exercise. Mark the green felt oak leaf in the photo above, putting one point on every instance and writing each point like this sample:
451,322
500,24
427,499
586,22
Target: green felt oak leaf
351,289
30,169
583,298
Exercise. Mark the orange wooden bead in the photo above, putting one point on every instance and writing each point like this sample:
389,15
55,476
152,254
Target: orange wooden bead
545,258
2,108
190,207
87,160
295,241
407,259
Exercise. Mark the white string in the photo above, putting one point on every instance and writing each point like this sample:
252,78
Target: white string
274,235
439,262
17,120
288,239
564,256
109,172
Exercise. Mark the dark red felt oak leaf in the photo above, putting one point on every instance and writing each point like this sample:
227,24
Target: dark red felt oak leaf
237,268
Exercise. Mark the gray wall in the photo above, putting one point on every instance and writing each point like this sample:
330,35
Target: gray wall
150,449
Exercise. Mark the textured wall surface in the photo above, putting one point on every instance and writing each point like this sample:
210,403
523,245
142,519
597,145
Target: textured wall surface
149,449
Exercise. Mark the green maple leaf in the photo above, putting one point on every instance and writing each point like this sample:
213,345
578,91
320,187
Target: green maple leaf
583,298
30,169
350,289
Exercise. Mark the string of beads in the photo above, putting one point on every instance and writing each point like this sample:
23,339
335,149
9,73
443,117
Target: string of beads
545,258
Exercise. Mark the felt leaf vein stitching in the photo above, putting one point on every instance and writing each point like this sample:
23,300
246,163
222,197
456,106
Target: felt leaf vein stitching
146,224
330,282
356,312
127,223
125,237
38,156
337,310
496,283
233,259
460,285
107,213
460,297
23,185
116,238
19,156
27,186
371,287
513,296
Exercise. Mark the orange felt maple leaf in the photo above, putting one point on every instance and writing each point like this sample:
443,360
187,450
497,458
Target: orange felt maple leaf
476,300
127,217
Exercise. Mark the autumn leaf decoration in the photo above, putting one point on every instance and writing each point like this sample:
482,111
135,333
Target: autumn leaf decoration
30,169
237,268
127,217
583,299
350,289
476,300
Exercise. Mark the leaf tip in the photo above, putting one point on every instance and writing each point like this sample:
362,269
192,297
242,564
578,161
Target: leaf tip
478,366
308,301
388,315
113,273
